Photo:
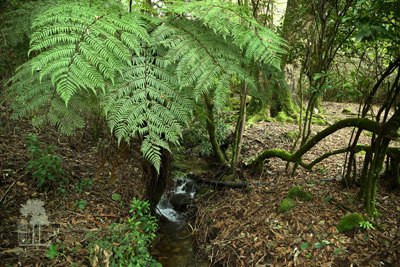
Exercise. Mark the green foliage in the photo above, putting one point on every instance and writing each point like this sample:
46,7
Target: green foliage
349,222
366,225
286,205
305,246
139,67
45,167
291,135
319,245
82,185
297,192
126,244
79,204
195,135
281,117
52,252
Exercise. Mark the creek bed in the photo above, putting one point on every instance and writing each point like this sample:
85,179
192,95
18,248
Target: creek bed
173,245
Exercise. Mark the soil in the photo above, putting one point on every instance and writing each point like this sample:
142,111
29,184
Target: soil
231,227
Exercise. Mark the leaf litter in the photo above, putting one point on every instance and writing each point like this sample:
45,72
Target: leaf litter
242,228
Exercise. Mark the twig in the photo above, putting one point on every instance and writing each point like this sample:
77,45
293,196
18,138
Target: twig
8,189
86,216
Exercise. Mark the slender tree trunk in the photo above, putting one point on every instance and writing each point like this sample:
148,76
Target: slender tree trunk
210,123
239,127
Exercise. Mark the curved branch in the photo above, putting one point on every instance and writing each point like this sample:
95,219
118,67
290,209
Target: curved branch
362,123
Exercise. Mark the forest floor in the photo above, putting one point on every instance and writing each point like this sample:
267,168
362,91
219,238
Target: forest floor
232,227
242,227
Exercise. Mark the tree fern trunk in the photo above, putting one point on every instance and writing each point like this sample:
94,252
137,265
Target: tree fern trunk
157,183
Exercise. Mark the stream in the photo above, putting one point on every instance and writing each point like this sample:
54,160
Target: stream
173,246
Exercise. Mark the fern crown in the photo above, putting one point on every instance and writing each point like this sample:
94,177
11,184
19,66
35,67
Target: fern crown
137,68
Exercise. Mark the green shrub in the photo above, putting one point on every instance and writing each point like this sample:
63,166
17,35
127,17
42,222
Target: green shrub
45,167
349,222
125,244
286,205
297,192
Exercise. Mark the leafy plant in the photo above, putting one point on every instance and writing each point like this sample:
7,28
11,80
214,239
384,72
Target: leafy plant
45,167
126,244
79,204
52,252
82,184
305,246
141,68
366,225
318,245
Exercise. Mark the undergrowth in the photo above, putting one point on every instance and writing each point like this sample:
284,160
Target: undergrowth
125,244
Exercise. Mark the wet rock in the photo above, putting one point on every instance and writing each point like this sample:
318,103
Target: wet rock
180,201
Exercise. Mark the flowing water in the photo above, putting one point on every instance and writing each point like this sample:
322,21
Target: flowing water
173,247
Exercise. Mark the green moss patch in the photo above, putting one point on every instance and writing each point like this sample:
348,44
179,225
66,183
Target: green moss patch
286,205
291,135
297,192
281,117
203,191
319,122
347,111
349,222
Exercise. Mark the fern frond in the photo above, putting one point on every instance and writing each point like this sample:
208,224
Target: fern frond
38,100
145,104
230,20
205,60
81,47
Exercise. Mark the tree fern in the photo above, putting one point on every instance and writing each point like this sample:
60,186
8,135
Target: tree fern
145,104
80,51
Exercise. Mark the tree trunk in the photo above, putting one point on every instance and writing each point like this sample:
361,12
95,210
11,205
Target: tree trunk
210,123
239,128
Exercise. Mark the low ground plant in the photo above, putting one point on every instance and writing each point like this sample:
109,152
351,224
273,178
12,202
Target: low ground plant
125,244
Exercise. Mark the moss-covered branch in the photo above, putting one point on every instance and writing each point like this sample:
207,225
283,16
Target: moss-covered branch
362,123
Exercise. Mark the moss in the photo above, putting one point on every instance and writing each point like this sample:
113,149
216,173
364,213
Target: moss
286,205
281,117
347,111
369,133
297,192
291,135
319,122
289,120
256,118
362,152
349,222
203,190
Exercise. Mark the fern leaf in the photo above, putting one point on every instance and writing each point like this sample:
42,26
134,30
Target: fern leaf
145,103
